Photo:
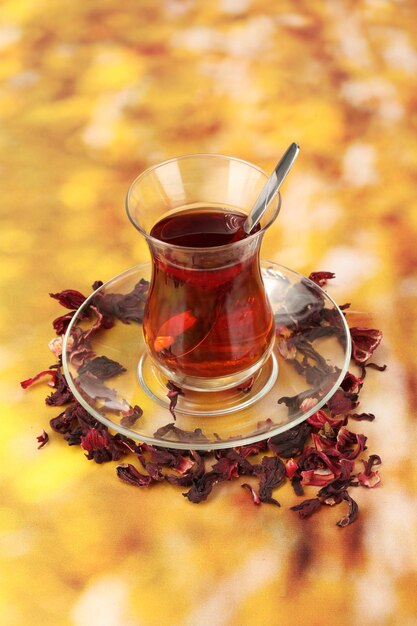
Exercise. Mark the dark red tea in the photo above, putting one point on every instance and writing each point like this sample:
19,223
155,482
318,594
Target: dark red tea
207,313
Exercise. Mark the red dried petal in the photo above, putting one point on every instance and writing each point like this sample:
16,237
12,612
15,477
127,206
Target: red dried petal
321,420
291,442
360,417
291,467
352,513
129,474
93,440
52,373
102,367
372,480
62,394
61,323
307,507
253,493
42,439
321,278
346,439
173,392
69,298
272,474
351,383
201,488
131,416
317,477
342,402
364,343
125,307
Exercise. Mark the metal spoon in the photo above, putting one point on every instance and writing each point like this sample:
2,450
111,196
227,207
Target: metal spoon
271,187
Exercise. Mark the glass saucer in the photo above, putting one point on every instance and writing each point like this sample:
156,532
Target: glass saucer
110,373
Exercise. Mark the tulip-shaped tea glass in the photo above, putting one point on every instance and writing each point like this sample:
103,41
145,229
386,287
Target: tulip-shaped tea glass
208,324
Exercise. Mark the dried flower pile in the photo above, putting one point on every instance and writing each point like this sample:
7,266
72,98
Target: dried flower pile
321,452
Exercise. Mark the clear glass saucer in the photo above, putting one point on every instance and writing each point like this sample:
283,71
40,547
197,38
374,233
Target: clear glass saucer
109,371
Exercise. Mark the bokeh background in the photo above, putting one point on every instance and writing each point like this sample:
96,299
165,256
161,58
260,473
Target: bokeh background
91,93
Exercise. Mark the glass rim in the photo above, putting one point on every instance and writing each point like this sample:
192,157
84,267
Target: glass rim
183,157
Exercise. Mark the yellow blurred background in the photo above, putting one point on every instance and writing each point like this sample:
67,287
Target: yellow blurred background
91,93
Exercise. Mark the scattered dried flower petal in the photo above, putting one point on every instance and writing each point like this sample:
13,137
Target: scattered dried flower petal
291,442
102,367
321,278
52,373
129,474
352,513
307,507
342,402
173,392
360,417
131,416
255,497
271,472
125,307
42,439
69,298
364,343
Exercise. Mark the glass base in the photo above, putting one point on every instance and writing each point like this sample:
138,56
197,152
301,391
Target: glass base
107,367
219,400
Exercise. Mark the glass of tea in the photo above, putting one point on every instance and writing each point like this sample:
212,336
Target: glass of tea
208,324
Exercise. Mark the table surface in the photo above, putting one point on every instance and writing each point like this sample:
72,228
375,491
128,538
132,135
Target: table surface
92,93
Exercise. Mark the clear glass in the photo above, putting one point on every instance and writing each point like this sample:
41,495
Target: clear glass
208,323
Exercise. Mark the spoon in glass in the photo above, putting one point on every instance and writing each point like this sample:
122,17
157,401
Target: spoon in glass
271,187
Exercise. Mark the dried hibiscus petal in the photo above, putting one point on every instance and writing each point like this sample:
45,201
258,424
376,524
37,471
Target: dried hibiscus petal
342,402
52,373
42,439
364,343
255,497
61,323
351,383
227,468
62,394
291,442
69,298
352,512
180,434
321,278
291,468
201,487
375,366
95,444
370,478
321,420
307,507
346,439
125,307
129,474
360,417
193,473
131,416
101,446
302,401
252,448
173,392
271,472
102,367
317,477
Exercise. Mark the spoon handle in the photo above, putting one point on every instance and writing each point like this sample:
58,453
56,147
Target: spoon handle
271,187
